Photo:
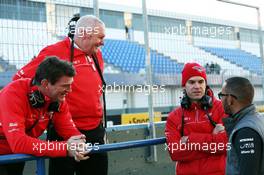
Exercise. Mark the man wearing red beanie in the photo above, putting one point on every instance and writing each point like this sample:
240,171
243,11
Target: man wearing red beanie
196,138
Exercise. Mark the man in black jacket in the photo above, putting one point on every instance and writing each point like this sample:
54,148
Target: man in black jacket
245,128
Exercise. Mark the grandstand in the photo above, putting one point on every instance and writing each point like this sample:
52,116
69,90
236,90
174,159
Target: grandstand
130,57
177,48
25,35
241,58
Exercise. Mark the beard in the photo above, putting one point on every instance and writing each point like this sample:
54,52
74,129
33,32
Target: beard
227,108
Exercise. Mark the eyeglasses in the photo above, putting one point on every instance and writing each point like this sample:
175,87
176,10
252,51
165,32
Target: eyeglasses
220,95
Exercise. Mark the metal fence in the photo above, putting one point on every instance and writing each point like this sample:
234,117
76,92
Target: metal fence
27,26
131,157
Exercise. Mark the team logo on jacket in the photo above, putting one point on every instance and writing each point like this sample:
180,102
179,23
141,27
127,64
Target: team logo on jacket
13,124
76,62
186,119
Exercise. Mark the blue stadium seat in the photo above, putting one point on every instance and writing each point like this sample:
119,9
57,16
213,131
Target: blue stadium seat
236,56
130,57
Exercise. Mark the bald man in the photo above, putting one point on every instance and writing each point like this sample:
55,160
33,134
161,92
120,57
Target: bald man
244,126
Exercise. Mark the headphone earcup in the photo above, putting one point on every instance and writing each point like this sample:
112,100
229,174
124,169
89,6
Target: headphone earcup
185,102
206,102
36,99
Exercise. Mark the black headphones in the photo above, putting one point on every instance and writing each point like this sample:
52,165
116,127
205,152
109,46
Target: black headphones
37,99
72,24
206,103
71,32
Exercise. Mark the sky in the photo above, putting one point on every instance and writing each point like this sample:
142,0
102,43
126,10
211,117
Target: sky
206,8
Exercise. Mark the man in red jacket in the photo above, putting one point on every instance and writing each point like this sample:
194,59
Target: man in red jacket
85,99
27,106
196,138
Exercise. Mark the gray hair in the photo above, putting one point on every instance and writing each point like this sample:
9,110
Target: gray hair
87,23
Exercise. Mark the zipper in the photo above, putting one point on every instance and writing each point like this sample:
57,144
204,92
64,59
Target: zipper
196,114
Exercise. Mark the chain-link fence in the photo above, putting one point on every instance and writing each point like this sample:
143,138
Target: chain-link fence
224,48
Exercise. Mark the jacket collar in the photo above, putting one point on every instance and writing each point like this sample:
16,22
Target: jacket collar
77,50
197,105
244,111
232,120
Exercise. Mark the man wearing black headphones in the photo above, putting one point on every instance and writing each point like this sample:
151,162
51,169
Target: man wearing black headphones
196,138
28,106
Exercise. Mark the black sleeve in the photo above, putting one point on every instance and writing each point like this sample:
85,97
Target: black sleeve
248,146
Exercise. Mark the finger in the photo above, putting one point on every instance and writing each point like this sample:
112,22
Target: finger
86,152
83,140
221,129
83,137
86,157
80,149
81,156
76,159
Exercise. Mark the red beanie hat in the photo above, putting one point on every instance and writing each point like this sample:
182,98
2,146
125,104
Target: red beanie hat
191,70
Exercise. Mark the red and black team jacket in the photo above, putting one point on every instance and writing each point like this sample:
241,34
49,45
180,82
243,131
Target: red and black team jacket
204,153
17,117
84,100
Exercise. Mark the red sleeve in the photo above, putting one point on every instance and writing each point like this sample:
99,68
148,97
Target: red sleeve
218,141
29,70
63,123
176,150
13,111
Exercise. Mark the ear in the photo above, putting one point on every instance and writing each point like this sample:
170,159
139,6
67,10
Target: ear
44,83
230,100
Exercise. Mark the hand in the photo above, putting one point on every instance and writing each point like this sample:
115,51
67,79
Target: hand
184,139
76,147
84,149
219,128
80,156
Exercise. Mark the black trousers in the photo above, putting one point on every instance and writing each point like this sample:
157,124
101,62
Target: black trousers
97,164
12,169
